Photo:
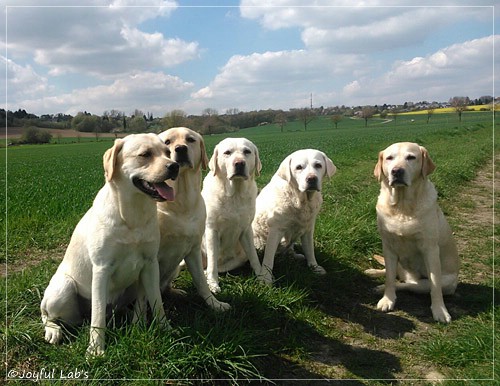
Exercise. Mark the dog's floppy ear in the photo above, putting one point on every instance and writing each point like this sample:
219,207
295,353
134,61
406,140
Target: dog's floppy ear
109,158
379,171
213,164
284,171
258,164
330,167
204,158
427,165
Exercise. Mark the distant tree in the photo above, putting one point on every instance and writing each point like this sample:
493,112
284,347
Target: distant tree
280,120
430,112
137,124
85,122
233,111
209,112
174,118
367,112
336,118
138,113
305,116
459,104
485,100
394,114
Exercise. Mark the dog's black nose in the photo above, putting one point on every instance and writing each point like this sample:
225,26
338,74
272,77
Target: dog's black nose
239,167
312,182
311,179
173,170
398,173
181,149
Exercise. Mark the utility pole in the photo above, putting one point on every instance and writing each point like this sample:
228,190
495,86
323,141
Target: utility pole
311,101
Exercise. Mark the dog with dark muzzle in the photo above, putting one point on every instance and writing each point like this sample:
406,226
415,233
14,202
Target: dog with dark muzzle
182,222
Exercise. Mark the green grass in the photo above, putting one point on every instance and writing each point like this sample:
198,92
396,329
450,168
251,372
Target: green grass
304,327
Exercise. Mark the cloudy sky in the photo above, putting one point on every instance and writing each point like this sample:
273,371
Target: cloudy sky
159,55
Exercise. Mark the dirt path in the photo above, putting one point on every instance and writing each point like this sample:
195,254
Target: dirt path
472,212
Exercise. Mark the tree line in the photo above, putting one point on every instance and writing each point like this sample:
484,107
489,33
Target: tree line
212,122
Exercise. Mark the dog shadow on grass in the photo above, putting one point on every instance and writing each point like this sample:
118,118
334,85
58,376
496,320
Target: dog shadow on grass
279,335
346,292
277,340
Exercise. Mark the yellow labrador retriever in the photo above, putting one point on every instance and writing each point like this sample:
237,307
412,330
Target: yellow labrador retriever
182,222
418,244
287,207
115,244
230,191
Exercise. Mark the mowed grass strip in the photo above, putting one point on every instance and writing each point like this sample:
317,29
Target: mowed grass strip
304,327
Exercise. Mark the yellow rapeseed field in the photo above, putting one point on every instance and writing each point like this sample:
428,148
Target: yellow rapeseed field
449,110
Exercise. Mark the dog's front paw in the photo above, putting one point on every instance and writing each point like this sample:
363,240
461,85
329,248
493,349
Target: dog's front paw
440,314
317,269
266,278
213,285
385,304
176,292
95,350
53,333
217,305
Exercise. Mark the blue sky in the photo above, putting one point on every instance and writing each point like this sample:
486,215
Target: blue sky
160,55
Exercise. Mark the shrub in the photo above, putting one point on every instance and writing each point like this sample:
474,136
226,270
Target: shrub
35,135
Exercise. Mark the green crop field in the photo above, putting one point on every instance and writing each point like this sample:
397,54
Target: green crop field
304,327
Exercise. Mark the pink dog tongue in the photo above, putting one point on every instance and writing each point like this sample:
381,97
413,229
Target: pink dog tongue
165,191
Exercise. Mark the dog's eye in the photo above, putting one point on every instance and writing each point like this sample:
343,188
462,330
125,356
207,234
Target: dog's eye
318,166
389,158
247,151
168,153
227,152
146,154
299,167
410,157
191,139
167,142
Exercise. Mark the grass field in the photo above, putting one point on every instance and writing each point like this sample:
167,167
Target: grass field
304,327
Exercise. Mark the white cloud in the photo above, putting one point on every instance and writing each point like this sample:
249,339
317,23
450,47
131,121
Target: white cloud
22,81
95,40
285,79
279,79
369,26
148,91
460,69
351,88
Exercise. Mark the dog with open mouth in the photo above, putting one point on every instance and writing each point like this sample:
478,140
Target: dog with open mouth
114,246
182,222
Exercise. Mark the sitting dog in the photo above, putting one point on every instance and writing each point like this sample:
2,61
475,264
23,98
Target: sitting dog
229,191
115,244
287,207
417,242
182,222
